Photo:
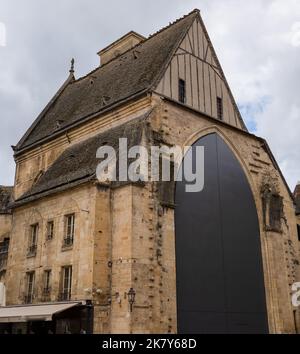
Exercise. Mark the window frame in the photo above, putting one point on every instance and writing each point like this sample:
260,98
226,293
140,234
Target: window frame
33,239
4,247
66,283
30,287
69,230
49,236
182,91
47,281
220,108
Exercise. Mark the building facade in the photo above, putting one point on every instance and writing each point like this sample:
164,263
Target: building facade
5,228
119,257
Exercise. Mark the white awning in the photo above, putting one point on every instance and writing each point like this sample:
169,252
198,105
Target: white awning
44,312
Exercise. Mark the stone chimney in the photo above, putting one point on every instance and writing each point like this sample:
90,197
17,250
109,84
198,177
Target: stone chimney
120,46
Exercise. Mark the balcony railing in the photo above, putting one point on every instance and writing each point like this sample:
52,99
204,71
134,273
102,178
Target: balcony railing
65,295
46,296
28,299
31,252
68,242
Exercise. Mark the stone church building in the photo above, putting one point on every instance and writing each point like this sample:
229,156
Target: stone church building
82,256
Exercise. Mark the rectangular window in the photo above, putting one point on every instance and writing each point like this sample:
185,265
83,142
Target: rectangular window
4,253
32,247
182,91
47,281
50,230
4,246
30,278
47,285
66,283
69,230
220,108
298,228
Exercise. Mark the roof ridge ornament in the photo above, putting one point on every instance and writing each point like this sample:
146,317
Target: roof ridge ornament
72,66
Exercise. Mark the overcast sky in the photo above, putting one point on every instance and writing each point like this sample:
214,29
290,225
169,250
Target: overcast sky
257,41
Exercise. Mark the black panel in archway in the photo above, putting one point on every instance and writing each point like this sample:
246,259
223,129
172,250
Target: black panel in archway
220,282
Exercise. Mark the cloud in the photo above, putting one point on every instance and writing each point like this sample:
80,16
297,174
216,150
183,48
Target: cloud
2,34
258,44
260,53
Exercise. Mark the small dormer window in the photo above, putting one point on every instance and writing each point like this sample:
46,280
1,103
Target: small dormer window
182,91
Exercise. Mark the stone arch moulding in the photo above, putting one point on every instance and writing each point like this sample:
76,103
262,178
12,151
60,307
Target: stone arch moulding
70,206
215,129
255,188
34,217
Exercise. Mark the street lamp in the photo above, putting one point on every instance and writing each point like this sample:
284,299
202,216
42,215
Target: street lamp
131,297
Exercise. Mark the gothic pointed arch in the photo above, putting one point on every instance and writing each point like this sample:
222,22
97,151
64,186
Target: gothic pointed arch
220,279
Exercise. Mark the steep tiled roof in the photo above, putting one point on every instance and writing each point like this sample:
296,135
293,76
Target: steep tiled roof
134,72
78,163
5,199
297,198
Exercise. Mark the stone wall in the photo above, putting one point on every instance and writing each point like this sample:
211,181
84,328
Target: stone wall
5,225
125,236
50,253
5,229
178,126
